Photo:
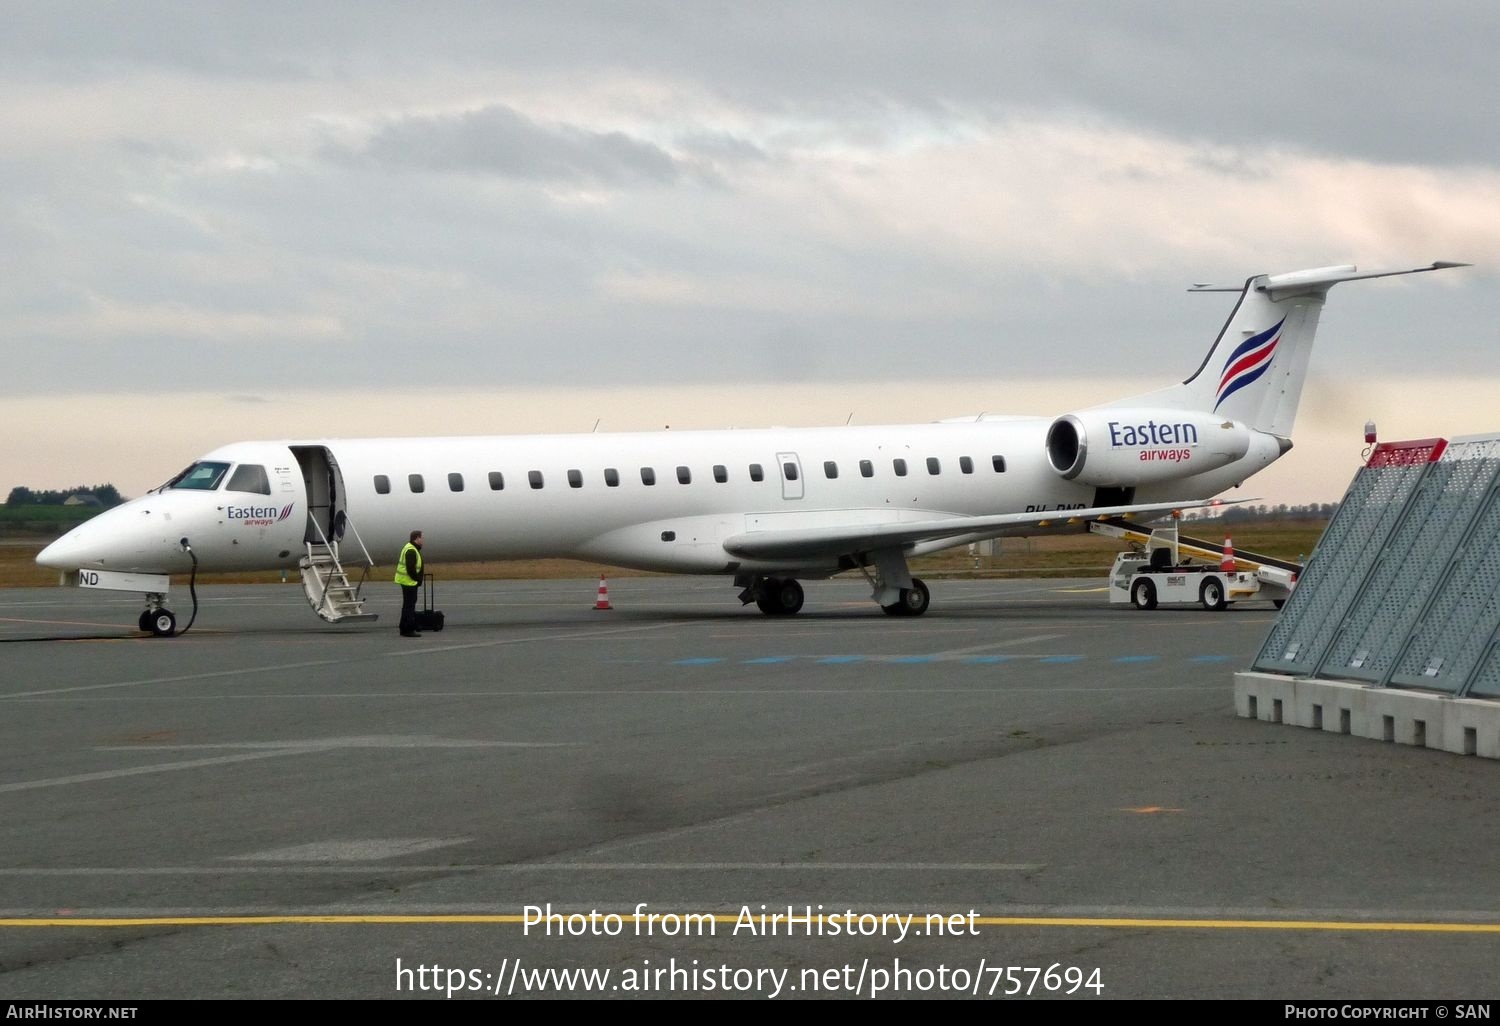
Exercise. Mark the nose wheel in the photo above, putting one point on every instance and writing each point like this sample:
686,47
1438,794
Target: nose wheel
157,619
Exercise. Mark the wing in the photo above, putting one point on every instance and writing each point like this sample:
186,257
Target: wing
833,542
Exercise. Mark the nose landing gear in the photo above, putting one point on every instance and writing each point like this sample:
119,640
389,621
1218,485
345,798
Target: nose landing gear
156,618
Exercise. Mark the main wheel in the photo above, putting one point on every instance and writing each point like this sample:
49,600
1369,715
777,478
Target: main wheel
788,597
145,620
1212,594
1143,594
163,623
915,600
779,597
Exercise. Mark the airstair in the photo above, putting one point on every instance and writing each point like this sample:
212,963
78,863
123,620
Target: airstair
1182,548
326,582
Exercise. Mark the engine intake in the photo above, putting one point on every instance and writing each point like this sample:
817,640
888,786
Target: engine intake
1122,448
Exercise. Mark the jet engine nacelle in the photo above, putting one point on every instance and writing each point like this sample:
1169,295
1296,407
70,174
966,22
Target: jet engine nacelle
1122,448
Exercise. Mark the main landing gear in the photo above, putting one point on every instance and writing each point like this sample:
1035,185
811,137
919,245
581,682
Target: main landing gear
892,587
913,601
778,596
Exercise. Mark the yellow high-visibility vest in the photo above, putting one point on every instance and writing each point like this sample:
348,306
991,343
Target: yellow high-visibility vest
401,575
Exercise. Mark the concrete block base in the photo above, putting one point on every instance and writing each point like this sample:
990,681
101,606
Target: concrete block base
1464,726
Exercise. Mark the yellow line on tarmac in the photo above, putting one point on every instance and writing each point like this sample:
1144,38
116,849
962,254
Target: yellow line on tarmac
765,922
65,623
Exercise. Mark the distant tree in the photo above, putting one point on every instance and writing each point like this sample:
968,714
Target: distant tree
107,494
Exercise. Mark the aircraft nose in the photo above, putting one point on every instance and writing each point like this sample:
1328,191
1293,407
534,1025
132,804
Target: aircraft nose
63,554
105,542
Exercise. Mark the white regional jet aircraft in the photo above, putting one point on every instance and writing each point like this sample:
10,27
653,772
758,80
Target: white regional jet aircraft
766,507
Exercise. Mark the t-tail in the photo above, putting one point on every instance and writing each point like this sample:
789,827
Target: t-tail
1232,417
1254,373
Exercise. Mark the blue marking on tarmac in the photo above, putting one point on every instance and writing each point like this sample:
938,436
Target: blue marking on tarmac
980,660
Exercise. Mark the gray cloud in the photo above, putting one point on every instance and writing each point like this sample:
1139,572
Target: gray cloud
1389,82
497,140
601,193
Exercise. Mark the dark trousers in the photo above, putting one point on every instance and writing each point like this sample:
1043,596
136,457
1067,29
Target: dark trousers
409,608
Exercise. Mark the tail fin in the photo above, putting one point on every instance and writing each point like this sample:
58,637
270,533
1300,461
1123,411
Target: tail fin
1254,372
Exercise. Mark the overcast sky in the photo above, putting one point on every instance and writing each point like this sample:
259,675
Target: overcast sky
227,221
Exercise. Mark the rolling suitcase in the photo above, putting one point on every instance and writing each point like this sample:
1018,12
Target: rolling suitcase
428,619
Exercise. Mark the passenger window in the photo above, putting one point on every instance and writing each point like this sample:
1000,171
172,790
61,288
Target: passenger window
535,477
648,476
966,465
382,485
866,468
998,462
415,482
455,482
575,479
612,477
497,481
899,466
933,466
721,473
790,470
756,473
249,477
684,475
830,469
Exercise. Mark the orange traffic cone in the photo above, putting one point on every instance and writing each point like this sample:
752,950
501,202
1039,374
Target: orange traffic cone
1227,563
602,602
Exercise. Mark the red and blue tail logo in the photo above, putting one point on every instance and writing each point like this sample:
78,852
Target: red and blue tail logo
1247,363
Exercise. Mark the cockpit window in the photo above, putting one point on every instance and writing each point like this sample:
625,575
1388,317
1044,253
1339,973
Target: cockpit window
204,476
249,477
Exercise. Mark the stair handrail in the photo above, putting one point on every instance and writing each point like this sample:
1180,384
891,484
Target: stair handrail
349,525
369,563
333,554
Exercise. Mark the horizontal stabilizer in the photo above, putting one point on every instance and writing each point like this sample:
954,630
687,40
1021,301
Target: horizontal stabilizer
1323,277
